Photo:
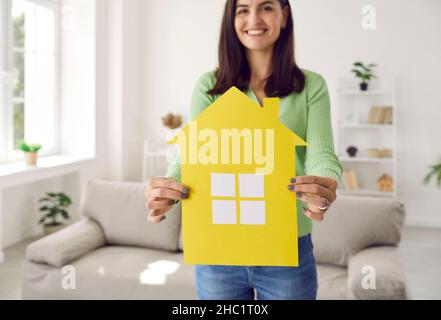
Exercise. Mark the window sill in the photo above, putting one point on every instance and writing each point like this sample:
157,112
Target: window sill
47,167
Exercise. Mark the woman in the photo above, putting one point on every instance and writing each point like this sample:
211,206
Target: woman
256,54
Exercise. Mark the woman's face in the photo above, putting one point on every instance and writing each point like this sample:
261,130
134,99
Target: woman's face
258,23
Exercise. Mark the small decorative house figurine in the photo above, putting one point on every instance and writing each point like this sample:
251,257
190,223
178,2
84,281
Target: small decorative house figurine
385,183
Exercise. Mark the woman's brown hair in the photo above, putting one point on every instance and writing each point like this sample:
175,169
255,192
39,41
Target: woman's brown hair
234,69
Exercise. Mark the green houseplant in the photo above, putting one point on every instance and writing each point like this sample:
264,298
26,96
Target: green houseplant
54,205
31,152
364,73
435,172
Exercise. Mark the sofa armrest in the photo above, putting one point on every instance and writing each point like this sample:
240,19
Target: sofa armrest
380,271
67,244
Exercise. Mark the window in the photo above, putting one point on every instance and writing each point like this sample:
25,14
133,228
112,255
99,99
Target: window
29,63
236,195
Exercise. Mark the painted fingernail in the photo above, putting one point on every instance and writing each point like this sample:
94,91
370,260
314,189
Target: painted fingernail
299,194
293,180
184,196
290,187
185,190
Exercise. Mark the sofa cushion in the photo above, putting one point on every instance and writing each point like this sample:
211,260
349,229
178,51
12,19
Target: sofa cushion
120,209
67,244
115,272
356,223
332,282
380,266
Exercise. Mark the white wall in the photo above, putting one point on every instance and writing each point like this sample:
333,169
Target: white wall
108,63
77,96
132,106
180,42
123,104
21,206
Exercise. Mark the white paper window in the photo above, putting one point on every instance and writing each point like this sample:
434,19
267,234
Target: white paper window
252,212
247,207
224,212
223,185
251,185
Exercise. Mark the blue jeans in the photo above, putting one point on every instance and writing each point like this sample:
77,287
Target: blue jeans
216,282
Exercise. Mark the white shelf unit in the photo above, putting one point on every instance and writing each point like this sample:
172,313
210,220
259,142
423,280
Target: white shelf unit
353,129
366,192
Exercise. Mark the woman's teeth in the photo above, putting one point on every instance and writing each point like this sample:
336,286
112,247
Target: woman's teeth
255,32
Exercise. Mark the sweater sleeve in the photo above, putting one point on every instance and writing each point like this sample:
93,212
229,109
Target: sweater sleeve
199,101
321,159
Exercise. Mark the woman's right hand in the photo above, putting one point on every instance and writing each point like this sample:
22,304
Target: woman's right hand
162,194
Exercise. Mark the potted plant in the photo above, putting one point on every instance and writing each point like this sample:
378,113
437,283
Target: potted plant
172,122
31,152
55,204
435,171
364,73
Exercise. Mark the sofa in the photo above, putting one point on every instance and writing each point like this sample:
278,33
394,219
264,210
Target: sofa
112,252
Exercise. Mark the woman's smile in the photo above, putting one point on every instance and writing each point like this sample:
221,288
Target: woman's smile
256,32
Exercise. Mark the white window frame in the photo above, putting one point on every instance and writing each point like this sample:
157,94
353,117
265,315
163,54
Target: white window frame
4,75
6,68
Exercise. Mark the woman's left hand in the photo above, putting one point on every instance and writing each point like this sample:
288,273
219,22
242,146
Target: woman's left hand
314,191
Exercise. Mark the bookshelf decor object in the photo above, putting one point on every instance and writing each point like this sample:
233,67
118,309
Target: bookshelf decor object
367,120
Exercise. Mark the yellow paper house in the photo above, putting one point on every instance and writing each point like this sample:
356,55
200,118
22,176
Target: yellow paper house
237,158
